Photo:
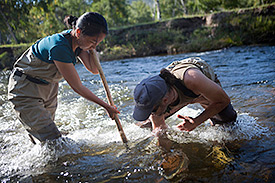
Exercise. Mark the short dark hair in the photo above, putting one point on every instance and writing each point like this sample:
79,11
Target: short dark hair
90,23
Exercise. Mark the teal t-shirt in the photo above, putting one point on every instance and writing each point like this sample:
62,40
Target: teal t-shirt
55,47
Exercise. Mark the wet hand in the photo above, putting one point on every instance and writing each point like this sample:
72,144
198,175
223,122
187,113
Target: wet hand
112,111
188,123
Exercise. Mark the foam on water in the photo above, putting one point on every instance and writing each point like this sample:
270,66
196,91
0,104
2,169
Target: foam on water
86,121
88,125
246,127
19,156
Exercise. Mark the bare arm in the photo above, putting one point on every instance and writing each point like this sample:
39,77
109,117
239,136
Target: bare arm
196,81
87,60
71,76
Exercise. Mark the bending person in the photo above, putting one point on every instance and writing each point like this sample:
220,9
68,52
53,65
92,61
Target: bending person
33,84
183,82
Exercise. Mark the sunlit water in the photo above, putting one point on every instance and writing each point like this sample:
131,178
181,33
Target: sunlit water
92,150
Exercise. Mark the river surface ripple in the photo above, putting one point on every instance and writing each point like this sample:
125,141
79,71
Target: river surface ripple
92,150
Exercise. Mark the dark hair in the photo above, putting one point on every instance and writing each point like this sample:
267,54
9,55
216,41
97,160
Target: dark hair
168,77
172,80
90,23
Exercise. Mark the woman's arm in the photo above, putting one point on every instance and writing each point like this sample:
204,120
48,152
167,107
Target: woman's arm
71,76
87,60
196,81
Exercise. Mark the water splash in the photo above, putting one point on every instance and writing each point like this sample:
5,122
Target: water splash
27,158
246,127
93,150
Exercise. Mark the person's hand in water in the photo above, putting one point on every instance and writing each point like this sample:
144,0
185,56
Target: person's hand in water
163,141
188,123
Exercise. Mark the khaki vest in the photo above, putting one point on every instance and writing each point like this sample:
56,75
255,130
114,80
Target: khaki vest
178,69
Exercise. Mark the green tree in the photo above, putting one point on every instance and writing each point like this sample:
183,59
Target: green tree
172,8
22,19
139,12
74,7
13,19
242,3
210,5
46,21
115,11
194,7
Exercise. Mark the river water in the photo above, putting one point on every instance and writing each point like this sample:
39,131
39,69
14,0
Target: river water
92,150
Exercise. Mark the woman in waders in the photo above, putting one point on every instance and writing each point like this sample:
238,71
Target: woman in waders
33,84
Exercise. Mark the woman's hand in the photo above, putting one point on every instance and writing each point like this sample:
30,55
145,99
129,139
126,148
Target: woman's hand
111,111
188,123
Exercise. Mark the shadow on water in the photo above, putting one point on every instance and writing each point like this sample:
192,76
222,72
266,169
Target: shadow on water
93,152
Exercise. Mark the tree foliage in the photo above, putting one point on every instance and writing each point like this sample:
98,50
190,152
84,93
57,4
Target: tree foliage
139,12
115,11
13,19
24,21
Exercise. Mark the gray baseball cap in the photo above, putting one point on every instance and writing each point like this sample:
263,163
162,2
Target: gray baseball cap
148,93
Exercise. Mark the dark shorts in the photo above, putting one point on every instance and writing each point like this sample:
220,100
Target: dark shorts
227,115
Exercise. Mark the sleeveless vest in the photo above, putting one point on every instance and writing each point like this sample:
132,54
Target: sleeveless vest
178,69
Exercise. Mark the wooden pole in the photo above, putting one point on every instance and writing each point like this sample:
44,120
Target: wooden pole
108,93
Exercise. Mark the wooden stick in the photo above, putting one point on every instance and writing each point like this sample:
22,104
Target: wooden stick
108,93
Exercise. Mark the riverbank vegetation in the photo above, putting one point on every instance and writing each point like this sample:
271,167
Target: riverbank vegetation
194,34
141,28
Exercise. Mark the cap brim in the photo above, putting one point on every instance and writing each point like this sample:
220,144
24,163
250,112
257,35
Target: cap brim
141,114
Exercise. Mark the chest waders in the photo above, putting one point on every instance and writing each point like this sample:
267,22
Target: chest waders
33,90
